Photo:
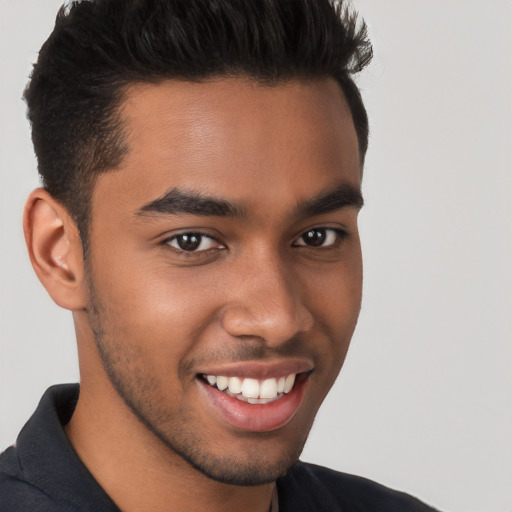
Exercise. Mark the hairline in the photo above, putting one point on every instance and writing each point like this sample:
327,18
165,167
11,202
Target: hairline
120,129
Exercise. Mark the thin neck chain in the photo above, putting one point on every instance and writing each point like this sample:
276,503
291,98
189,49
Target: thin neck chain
274,506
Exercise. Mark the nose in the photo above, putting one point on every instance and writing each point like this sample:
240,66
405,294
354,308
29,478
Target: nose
268,303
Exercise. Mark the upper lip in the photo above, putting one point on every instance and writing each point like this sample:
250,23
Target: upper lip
260,369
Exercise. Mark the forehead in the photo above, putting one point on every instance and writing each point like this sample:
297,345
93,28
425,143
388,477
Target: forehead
235,139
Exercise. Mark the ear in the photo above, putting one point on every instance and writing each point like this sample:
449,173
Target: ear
55,249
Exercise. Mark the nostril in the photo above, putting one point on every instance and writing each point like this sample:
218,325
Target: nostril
266,320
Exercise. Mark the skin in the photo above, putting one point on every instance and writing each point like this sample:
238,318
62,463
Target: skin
150,317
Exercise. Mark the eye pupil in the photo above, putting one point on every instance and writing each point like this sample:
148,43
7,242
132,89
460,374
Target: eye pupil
189,242
315,237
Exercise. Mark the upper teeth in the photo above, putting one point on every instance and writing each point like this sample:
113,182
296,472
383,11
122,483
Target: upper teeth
253,389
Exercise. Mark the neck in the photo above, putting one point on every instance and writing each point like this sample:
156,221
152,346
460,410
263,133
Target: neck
135,467
139,472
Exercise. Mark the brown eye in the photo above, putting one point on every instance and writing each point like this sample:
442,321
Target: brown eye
320,237
315,237
193,242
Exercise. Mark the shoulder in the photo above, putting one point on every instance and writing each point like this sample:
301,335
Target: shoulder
312,487
42,472
18,493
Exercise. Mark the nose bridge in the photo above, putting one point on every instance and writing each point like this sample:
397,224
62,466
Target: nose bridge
268,304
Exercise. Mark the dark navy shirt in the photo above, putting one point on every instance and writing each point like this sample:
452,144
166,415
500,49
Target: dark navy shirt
42,473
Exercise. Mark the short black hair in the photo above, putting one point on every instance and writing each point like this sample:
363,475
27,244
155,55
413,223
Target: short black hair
99,47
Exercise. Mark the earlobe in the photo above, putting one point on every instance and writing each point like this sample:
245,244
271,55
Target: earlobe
55,249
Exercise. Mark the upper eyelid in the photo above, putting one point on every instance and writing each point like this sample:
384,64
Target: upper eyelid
168,238
220,245
339,230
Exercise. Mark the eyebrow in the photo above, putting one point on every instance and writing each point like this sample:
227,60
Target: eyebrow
343,196
176,201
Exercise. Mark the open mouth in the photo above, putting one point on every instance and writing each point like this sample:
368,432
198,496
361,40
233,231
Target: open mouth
253,397
253,391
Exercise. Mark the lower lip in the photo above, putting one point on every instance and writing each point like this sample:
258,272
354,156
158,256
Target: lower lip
256,417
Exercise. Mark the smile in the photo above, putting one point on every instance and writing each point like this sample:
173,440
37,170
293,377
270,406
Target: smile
252,391
254,396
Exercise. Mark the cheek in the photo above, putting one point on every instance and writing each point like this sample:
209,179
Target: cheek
156,310
335,294
335,301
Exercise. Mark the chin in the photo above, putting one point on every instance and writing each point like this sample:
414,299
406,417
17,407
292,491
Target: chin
244,469
249,459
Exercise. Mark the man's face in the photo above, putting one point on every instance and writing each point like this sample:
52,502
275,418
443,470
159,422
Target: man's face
225,252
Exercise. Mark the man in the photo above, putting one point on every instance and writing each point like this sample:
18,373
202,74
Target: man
202,165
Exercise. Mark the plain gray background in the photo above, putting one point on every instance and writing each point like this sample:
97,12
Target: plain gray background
424,401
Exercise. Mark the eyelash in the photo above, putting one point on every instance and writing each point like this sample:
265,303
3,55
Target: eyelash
200,237
339,236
